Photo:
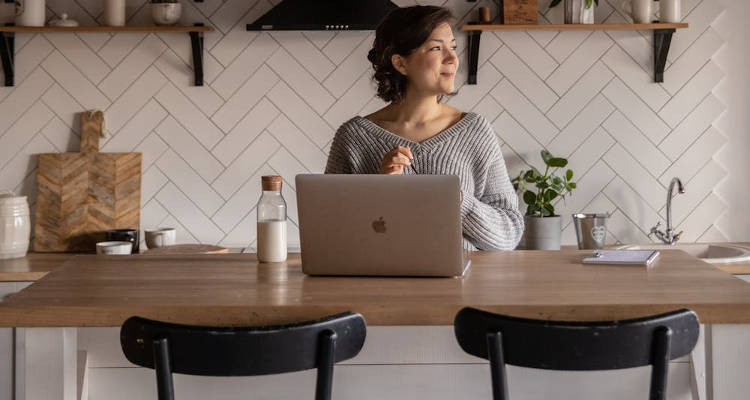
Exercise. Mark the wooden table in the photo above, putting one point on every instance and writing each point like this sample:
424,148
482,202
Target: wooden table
234,289
77,308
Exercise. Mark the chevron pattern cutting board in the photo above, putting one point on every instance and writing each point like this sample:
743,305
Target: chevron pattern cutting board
81,195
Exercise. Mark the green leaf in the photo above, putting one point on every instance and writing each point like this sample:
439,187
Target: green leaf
572,185
556,180
550,195
557,162
546,157
549,209
542,185
530,176
569,174
529,197
554,3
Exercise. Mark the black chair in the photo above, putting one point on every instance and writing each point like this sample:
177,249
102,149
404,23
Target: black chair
243,351
577,346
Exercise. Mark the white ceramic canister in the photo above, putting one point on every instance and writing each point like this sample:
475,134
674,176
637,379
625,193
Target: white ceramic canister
114,12
30,12
15,225
670,11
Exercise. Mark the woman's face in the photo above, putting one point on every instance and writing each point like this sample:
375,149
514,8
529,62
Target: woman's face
431,68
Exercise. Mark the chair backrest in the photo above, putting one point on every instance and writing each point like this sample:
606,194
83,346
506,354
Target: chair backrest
242,351
576,346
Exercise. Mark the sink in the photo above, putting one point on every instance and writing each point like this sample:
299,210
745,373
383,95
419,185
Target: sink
718,253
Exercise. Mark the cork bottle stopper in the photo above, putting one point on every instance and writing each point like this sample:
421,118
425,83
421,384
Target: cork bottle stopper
271,183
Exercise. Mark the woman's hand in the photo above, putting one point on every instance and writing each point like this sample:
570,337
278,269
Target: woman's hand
395,160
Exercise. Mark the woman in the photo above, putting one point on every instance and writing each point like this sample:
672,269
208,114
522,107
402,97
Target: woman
414,57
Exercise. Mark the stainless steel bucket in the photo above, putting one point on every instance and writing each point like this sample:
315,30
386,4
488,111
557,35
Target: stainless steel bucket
591,230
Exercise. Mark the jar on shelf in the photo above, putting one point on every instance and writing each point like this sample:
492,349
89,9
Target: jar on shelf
271,229
15,225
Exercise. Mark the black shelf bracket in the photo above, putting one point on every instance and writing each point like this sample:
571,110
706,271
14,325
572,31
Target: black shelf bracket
662,40
196,40
474,39
7,53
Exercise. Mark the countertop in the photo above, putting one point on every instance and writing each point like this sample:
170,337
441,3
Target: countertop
32,267
234,289
36,265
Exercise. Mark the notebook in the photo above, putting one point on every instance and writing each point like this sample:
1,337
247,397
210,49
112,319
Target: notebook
629,257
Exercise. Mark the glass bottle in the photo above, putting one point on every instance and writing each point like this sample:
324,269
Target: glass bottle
271,210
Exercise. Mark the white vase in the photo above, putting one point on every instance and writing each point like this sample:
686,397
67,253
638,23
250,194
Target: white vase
166,13
114,12
577,13
30,12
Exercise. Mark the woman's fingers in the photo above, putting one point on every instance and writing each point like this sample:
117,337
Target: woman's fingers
396,160
393,170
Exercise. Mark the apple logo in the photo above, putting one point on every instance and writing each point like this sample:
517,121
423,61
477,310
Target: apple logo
379,225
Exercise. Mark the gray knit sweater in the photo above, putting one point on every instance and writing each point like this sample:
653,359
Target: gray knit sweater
469,149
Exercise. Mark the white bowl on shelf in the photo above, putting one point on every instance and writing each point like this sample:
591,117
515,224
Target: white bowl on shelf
166,14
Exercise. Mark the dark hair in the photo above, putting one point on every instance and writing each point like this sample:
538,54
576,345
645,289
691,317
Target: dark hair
401,32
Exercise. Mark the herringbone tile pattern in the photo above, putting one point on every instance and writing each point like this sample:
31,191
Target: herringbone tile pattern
272,102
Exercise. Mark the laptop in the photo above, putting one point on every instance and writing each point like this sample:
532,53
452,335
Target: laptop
380,225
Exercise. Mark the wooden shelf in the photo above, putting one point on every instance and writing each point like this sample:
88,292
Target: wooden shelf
8,32
572,27
662,39
115,29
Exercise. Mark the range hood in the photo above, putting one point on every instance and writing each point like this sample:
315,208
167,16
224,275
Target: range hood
323,15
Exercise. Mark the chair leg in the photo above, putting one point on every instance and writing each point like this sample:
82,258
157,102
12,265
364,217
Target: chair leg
164,384
326,359
660,362
497,366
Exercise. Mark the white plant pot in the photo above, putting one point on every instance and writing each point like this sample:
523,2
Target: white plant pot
166,13
577,13
543,233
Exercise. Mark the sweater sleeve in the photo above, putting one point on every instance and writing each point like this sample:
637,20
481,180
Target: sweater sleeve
339,157
493,221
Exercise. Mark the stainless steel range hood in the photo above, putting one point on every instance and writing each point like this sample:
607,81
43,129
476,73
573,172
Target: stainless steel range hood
323,15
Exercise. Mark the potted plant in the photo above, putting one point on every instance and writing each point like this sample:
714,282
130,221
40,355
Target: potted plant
577,11
539,190
166,12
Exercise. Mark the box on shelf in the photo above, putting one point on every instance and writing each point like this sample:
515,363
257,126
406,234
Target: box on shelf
515,12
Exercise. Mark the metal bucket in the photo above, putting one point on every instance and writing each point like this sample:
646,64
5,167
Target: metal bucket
591,230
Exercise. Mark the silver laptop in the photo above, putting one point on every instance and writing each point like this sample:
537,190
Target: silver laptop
400,225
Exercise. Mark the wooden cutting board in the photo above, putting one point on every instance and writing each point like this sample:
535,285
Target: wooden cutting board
81,195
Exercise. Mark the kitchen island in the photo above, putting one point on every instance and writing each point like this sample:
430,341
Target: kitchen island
69,348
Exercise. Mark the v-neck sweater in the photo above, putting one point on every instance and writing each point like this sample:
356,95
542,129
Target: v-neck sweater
490,218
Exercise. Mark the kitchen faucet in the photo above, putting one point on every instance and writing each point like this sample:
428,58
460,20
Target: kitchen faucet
668,237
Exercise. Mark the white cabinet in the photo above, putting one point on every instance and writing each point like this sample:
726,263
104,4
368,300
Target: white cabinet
7,344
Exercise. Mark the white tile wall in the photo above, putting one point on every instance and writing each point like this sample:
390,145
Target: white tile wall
272,102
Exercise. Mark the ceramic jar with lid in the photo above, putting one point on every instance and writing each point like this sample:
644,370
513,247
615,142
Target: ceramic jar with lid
15,225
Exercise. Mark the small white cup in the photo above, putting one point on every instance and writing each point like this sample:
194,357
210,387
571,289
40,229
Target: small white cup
160,237
114,248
